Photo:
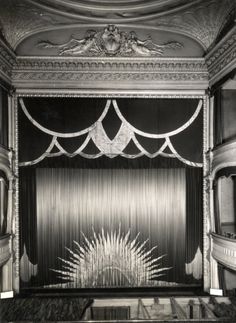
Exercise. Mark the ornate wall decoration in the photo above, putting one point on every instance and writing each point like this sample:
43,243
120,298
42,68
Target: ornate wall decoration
31,72
7,59
221,60
119,10
111,41
202,22
18,19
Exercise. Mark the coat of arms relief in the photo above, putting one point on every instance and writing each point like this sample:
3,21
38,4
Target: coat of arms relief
110,41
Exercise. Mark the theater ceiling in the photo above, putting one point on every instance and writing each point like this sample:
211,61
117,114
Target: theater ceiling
169,28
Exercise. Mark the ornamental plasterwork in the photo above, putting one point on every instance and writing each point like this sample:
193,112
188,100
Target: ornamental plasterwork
18,20
109,64
202,22
108,69
119,11
111,41
222,57
112,74
7,59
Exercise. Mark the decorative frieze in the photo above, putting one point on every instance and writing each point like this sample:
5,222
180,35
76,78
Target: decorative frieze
222,59
117,70
7,60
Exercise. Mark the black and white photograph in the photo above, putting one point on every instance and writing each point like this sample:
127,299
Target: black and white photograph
117,161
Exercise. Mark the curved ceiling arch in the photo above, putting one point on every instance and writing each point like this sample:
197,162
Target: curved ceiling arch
113,5
113,13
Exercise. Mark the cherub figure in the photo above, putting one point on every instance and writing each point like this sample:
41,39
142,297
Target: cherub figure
75,46
147,47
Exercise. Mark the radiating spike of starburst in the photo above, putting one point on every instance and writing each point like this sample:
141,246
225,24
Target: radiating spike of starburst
147,253
81,249
76,257
156,271
155,260
88,243
71,264
110,259
134,242
126,238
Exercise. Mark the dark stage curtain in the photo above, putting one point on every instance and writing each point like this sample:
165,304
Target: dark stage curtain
111,221
28,224
60,116
71,204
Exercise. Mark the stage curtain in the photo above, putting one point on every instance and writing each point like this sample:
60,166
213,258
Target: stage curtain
72,203
28,226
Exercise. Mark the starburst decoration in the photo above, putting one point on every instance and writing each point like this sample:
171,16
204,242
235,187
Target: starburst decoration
111,260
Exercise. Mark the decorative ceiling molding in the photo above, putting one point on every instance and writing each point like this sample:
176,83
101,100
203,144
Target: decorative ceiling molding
113,11
109,72
222,58
202,22
110,41
197,19
18,20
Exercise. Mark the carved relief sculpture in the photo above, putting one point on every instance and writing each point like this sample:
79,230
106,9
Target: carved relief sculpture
110,42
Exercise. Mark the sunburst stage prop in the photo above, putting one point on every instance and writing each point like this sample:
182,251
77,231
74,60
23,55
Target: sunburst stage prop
111,260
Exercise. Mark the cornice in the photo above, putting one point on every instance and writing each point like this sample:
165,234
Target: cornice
222,58
7,60
95,72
